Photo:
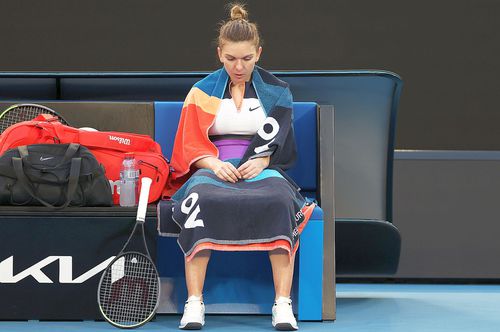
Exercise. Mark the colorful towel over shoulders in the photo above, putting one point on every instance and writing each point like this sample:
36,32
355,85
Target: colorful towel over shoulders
263,213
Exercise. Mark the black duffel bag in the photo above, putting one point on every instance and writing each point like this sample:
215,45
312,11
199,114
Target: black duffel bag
53,175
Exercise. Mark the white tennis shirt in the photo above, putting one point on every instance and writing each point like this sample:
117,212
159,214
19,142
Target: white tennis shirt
246,121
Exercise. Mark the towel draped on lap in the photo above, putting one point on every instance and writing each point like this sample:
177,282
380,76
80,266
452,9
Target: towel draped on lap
263,213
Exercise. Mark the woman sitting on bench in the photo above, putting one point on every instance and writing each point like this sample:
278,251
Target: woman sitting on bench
234,139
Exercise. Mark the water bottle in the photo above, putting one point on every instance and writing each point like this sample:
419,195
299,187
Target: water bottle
129,177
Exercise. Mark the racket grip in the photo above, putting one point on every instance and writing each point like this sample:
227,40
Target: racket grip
143,199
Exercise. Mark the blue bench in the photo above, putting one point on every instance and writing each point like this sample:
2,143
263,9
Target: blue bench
241,282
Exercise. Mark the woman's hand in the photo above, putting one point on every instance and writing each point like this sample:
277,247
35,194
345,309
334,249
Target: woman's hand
224,170
251,168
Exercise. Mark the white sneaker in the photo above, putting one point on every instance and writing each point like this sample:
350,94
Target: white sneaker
194,314
283,318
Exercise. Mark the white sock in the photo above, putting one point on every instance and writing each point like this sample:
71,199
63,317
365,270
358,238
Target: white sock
194,298
282,299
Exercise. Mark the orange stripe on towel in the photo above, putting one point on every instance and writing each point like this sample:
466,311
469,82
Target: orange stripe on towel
307,211
283,244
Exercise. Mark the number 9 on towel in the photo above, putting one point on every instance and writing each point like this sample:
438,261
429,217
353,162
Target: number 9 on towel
129,290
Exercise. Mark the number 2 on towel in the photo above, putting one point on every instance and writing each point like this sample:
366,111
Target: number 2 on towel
191,221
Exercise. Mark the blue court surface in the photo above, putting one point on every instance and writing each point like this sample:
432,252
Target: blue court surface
360,307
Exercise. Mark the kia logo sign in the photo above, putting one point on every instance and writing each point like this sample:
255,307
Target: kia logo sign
65,271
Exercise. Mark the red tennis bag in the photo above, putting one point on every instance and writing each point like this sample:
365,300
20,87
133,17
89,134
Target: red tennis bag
108,147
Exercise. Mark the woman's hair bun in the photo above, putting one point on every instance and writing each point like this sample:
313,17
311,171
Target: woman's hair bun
238,12
238,28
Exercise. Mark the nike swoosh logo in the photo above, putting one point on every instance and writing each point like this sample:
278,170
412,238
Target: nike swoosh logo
253,109
48,158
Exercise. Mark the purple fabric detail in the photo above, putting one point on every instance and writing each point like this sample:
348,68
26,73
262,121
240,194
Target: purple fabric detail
231,148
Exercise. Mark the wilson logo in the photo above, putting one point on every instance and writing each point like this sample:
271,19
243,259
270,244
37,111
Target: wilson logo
121,140
7,275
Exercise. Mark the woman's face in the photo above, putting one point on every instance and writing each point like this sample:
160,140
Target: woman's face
239,59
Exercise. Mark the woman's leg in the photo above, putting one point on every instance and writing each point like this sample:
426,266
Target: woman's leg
195,273
194,309
282,266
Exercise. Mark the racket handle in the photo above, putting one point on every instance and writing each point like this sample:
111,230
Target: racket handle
143,199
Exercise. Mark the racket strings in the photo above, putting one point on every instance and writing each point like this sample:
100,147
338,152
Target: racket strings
24,113
129,290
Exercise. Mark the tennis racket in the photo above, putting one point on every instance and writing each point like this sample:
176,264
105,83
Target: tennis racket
129,290
25,112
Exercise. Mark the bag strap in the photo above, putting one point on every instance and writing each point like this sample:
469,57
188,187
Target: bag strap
46,117
70,190
68,155
125,142
120,141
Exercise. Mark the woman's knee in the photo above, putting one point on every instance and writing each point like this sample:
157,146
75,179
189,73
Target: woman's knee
201,255
278,251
